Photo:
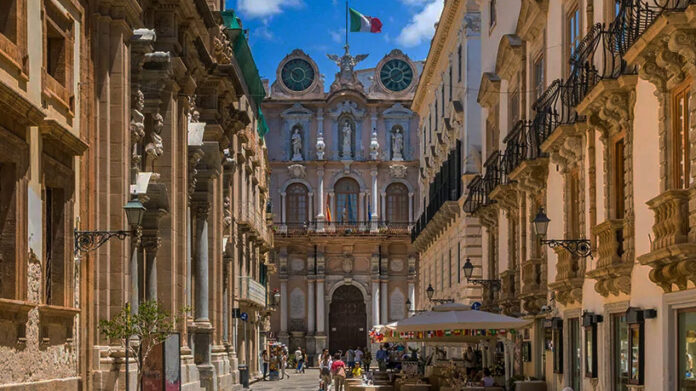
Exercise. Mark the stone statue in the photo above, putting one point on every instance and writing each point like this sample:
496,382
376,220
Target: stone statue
397,145
346,78
154,148
296,145
374,145
321,146
346,153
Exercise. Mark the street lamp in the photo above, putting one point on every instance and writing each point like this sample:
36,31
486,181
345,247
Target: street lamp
469,270
91,240
577,247
430,292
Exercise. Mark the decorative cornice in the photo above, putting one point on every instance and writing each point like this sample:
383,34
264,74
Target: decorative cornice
489,89
445,27
510,54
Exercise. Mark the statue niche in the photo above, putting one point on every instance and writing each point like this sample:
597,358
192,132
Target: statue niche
296,143
346,133
397,141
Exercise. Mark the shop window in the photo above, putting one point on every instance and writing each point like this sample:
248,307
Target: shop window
686,335
557,344
575,353
8,231
589,322
636,345
296,204
8,19
397,203
680,136
619,352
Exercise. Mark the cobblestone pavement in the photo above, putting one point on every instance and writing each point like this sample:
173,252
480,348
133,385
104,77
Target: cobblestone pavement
303,381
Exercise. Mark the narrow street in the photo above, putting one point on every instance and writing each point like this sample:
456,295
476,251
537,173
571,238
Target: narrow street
303,381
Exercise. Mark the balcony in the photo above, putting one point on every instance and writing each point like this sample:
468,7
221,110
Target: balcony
480,189
671,256
612,272
255,292
533,293
569,279
444,193
509,299
358,228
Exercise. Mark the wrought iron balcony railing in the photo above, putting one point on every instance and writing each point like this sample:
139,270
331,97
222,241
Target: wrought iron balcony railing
477,196
553,108
522,143
636,16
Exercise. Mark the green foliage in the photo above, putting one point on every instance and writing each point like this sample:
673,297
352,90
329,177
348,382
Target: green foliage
151,325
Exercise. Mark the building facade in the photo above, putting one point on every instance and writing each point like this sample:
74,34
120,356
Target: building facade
162,105
444,236
587,120
344,187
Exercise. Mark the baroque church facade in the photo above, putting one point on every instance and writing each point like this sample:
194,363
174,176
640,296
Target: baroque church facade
343,186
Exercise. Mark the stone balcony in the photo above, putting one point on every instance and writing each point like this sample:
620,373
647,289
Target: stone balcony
568,283
671,256
253,292
533,293
509,299
612,272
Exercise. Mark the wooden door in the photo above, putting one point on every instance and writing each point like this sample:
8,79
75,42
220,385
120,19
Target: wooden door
347,319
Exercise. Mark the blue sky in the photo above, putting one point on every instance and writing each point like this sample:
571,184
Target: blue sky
276,27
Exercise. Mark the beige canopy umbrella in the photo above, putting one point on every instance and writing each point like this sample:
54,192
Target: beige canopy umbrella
457,316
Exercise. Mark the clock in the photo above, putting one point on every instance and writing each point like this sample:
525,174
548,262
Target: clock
297,74
396,75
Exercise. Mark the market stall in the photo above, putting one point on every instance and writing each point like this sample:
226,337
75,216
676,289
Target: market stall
451,324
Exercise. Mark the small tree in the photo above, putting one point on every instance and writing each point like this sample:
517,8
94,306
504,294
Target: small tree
151,325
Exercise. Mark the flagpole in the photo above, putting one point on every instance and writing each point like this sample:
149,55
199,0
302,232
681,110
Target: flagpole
346,22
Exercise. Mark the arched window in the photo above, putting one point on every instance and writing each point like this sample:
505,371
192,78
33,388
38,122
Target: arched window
397,203
296,208
347,208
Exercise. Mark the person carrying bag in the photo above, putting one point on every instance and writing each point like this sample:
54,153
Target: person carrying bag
338,369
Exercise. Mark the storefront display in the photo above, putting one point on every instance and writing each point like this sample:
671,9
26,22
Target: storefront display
687,349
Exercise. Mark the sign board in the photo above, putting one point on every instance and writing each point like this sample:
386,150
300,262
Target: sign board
476,306
162,368
244,316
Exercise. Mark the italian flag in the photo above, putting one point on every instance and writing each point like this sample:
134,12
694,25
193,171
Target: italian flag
364,24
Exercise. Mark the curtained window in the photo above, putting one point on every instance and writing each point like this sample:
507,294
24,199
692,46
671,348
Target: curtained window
397,203
296,204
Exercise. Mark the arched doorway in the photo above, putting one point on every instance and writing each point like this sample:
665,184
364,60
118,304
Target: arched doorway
347,319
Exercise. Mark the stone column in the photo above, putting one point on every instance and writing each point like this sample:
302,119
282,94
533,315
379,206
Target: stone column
320,307
202,292
310,305
151,244
282,207
375,302
412,294
384,293
410,208
383,206
284,306
375,215
320,196
134,272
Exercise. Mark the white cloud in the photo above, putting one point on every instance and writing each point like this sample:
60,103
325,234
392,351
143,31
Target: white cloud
264,8
337,35
422,25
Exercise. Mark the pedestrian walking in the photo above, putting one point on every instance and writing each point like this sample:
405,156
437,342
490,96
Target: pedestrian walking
367,360
350,358
266,360
325,372
283,363
338,370
382,357
469,361
358,355
298,359
304,361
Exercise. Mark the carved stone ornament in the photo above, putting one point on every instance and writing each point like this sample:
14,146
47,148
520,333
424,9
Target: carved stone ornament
397,265
397,171
346,77
297,171
374,145
347,264
321,147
